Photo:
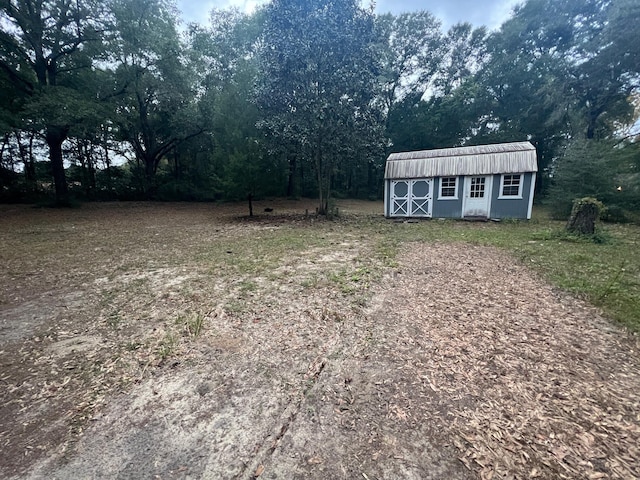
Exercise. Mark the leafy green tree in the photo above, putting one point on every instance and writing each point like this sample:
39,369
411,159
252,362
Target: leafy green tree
524,95
42,51
607,170
154,84
225,54
558,72
317,82
411,48
464,54
446,115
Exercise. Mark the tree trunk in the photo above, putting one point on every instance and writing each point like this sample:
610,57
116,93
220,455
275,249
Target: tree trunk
91,171
30,167
322,210
250,198
26,155
291,184
584,215
176,164
149,174
107,162
372,187
88,171
55,137
591,128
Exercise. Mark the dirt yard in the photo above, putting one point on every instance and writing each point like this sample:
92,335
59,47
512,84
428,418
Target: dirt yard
181,341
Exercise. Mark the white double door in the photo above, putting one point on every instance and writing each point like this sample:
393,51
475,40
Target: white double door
412,198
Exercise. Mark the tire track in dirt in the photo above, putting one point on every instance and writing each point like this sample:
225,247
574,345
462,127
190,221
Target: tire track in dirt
256,468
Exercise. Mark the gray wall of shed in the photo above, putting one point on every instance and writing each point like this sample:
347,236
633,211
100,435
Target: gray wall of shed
500,208
511,208
447,208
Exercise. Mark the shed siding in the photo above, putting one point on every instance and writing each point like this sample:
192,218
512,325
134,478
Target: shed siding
447,208
511,208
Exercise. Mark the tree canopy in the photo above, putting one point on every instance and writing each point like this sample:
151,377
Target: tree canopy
118,99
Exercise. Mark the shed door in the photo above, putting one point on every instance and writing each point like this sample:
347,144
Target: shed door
421,194
477,193
411,198
400,198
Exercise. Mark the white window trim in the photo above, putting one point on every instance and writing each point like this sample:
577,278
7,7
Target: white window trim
455,196
511,197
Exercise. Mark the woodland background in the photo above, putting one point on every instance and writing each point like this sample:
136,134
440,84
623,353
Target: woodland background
119,100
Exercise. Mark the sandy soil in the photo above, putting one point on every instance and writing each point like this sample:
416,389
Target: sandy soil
457,363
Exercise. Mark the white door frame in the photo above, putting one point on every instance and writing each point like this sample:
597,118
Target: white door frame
417,204
410,205
477,207
402,203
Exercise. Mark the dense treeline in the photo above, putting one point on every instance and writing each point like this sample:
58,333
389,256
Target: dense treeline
117,100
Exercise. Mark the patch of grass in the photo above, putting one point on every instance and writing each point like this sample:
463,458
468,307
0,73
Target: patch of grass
601,236
133,346
261,252
193,323
353,280
114,320
167,346
247,286
341,279
311,281
236,306
386,251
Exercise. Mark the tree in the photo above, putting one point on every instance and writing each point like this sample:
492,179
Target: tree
523,89
411,48
465,53
41,53
225,54
445,115
610,74
154,85
605,169
558,71
317,82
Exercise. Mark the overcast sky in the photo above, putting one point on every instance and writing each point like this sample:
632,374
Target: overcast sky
487,12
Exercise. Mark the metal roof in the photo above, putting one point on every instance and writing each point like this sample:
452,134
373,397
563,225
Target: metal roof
515,157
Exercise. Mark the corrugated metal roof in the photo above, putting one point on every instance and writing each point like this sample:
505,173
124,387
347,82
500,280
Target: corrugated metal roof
515,157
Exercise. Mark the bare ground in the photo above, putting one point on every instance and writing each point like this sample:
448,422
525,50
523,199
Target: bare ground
314,359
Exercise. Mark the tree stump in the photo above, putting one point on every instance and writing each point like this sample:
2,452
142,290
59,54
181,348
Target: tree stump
584,214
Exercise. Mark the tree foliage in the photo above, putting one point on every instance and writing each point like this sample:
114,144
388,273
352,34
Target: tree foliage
606,170
317,82
410,50
307,97
155,91
44,52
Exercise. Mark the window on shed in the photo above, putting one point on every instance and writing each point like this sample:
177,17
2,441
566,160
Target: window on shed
420,189
477,187
401,189
449,187
511,185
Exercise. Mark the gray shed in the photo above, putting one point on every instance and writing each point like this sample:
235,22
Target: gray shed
486,181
